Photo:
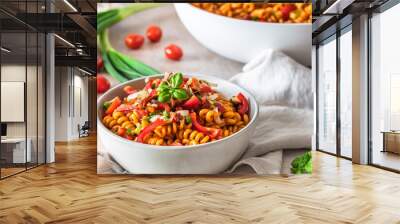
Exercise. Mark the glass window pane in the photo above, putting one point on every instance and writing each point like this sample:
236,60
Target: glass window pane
327,97
31,100
13,85
385,89
41,99
346,94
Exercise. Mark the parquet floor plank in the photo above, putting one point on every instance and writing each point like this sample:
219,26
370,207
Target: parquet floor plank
70,191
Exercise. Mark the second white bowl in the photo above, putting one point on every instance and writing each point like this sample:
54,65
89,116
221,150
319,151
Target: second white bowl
242,40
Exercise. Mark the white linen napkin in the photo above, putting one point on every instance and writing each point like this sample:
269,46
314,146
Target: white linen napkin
282,87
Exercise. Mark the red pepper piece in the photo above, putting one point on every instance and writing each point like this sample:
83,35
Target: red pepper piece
244,104
286,9
147,130
129,137
129,90
212,132
204,88
163,106
148,84
220,107
114,104
125,108
150,97
141,113
192,103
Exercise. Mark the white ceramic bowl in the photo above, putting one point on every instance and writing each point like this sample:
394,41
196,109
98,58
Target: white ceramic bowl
242,40
210,158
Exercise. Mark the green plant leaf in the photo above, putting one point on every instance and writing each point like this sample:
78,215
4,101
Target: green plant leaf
177,80
163,87
302,164
164,97
179,94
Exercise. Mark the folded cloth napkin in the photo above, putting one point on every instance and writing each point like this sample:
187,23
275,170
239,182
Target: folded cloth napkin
282,88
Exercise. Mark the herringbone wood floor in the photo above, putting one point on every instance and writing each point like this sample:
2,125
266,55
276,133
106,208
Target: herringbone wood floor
69,191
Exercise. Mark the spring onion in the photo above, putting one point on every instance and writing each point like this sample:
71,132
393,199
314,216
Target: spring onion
120,66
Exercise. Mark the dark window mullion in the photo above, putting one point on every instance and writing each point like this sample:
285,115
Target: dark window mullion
25,89
338,73
317,96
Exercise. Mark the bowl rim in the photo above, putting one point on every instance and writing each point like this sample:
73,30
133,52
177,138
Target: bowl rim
239,20
171,148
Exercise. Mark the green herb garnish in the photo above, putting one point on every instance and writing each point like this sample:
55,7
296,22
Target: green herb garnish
165,114
171,89
302,164
188,120
106,105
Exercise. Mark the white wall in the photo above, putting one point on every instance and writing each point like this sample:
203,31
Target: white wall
15,72
70,83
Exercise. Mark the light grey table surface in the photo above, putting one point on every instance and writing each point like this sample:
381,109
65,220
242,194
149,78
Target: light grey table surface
196,60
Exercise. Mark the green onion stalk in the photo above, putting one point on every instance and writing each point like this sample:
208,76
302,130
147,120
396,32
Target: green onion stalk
120,66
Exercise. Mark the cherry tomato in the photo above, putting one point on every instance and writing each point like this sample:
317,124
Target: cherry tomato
134,41
173,52
100,63
121,131
102,84
154,33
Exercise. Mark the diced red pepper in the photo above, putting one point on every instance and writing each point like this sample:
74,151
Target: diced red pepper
244,104
195,84
147,130
114,104
286,9
150,97
141,113
164,106
212,132
125,108
167,107
204,102
204,88
129,90
149,84
192,103
129,137
220,107
173,102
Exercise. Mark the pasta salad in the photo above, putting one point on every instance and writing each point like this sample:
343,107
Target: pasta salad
175,111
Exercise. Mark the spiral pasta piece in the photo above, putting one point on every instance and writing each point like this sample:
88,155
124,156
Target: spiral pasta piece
210,116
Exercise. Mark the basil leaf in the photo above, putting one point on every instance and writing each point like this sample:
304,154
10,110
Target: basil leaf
179,94
162,87
164,97
302,164
176,80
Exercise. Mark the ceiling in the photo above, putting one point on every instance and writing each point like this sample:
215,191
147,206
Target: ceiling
332,15
72,20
